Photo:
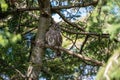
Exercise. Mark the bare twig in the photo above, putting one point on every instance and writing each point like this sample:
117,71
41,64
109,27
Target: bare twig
71,41
74,42
81,49
70,23
22,75
29,31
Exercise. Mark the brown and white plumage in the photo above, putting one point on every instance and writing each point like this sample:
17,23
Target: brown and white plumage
54,38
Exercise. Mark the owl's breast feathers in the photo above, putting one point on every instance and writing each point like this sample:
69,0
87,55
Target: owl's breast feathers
53,37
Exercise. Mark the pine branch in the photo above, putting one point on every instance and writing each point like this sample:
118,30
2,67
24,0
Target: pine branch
94,3
86,33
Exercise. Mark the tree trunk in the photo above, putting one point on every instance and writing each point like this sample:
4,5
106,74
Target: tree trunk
37,52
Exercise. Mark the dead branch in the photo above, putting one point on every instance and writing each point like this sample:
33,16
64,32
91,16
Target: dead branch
22,75
85,58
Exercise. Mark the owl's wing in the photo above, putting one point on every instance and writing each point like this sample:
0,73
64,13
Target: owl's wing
58,39
58,43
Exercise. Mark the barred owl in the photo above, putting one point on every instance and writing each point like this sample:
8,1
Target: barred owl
54,38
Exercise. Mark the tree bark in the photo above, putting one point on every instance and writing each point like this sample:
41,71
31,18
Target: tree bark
37,52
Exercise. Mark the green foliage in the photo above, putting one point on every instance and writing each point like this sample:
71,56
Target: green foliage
15,47
13,57
112,22
113,30
7,38
95,49
3,5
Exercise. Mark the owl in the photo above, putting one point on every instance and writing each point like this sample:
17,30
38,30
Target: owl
54,38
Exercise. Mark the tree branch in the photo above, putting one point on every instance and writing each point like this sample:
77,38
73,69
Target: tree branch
81,49
29,31
86,33
22,75
94,3
73,42
77,55
57,7
72,24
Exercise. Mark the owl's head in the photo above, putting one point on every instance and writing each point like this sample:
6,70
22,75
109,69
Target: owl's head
56,26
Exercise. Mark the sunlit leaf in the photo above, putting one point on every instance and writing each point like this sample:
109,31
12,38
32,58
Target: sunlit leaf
3,41
15,38
4,6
